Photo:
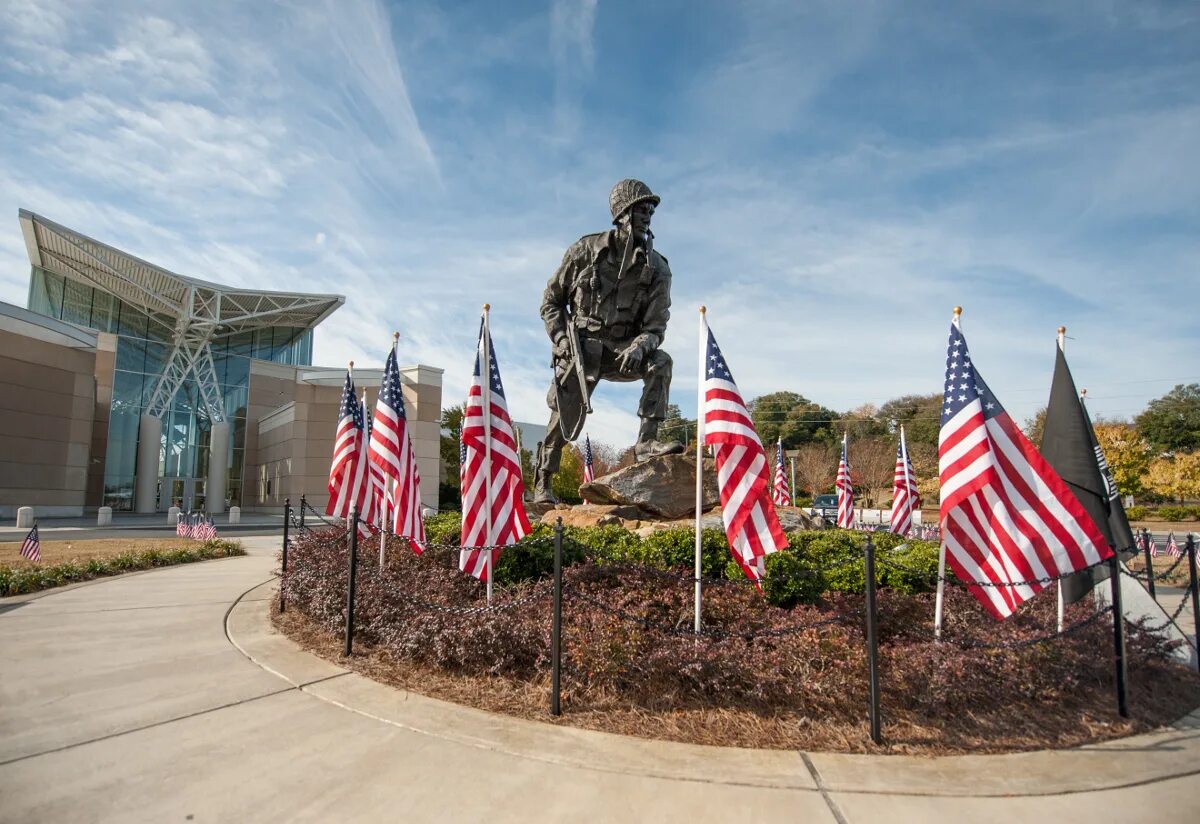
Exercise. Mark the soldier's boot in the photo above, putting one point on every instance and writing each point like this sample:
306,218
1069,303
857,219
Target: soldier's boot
648,446
541,486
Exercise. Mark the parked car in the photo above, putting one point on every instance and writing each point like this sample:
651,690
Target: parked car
826,507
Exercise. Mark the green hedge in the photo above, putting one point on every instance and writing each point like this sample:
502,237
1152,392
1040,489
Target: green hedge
817,561
22,579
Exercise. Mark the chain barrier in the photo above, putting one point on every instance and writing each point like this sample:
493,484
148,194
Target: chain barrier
1026,642
691,632
481,610
1158,576
954,579
309,508
1187,594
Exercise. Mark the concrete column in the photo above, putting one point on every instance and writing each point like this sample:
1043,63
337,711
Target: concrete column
218,467
145,489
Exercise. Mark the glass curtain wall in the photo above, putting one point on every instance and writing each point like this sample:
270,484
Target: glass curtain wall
143,347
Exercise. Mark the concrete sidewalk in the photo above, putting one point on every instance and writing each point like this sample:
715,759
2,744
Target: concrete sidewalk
167,695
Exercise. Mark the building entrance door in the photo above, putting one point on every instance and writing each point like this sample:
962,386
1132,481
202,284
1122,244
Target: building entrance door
185,493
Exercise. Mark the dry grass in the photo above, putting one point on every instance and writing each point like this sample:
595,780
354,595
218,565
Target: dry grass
1159,694
56,552
1179,578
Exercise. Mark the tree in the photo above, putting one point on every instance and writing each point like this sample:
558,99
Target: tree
770,411
1172,423
921,416
1035,427
816,467
863,422
1127,453
569,477
452,421
873,468
792,417
1176,478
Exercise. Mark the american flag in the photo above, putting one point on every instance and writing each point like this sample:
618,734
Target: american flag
589,473
207,530
1153,546
31,547
845,491
780,493
360,487
392,452
743,477
1172,546
493,510
1006,515
347,452
181,527
905,497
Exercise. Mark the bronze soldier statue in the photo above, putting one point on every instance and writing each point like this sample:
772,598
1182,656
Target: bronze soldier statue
606,311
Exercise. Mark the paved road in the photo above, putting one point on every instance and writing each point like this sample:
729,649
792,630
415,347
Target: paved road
127,699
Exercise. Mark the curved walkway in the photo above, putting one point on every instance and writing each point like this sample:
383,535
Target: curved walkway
167,696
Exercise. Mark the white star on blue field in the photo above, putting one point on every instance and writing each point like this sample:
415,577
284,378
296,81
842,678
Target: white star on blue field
835,177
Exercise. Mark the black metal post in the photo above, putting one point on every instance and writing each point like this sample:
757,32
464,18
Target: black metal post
1149,562
303,506
1114,572
350,586
1191,552
556,626
287,517
872,643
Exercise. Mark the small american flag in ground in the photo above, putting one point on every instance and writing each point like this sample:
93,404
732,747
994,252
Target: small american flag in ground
780,493
391,450
181,525
845,491
1153,546
1172,546
31,547
905,497
493,510
743,477
1006,515
346,451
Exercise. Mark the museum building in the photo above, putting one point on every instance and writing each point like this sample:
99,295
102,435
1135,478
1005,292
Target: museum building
123,384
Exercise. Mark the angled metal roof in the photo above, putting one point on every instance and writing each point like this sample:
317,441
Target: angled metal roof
164,295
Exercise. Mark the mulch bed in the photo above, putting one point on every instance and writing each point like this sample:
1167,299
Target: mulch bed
793,685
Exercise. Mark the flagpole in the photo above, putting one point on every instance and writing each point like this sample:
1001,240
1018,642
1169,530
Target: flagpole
1062,347
792,463
700,455
485,384
939,601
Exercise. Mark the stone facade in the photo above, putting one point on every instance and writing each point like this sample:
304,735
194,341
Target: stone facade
47,408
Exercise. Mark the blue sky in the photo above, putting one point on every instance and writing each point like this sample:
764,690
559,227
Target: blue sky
835,177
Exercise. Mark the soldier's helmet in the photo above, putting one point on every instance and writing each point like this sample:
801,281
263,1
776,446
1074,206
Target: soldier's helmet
626,194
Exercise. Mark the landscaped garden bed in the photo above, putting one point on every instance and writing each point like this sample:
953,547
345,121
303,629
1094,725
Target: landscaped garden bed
68,562
782,669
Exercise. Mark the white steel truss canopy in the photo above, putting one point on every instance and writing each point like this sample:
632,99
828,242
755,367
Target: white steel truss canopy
195,311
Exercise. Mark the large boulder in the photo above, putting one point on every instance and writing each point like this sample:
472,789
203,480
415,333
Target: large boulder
595,515
665,487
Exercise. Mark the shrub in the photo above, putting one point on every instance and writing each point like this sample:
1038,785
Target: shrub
1137,513
1173,513
792,579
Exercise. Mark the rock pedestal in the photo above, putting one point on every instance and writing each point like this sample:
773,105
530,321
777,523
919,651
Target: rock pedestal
663,487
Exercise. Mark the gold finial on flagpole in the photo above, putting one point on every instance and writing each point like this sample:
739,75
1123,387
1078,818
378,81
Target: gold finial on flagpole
703,309
351,364
487,307
1062,330
957,311
395,337
1083,392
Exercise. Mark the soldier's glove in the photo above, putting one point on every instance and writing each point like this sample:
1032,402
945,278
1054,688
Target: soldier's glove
630,359
562,349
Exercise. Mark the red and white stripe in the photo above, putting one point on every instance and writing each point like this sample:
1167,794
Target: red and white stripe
743,476
1006,516
845,491
391,452
492,484
780,494
346,452
905,497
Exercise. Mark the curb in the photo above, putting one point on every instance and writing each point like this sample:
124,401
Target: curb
1160,756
